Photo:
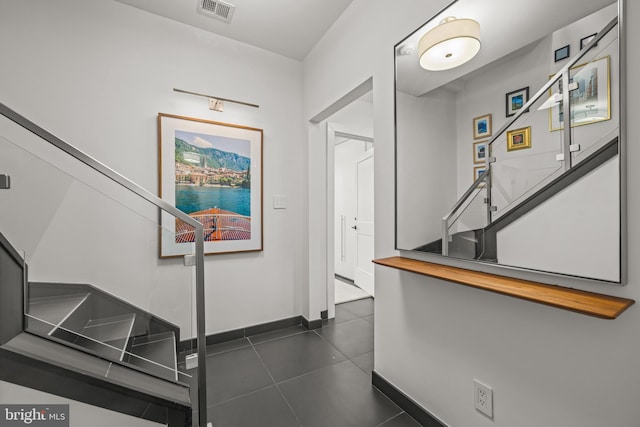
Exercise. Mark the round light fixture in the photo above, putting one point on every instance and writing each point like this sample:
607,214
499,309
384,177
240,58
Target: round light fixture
450,44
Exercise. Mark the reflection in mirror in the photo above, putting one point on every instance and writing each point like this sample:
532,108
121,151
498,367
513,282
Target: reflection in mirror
495,161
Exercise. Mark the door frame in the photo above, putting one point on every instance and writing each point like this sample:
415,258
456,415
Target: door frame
333,133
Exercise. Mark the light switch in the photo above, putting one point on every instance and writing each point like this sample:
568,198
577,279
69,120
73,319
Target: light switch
279,201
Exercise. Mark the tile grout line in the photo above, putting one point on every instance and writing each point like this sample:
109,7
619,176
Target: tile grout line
277,386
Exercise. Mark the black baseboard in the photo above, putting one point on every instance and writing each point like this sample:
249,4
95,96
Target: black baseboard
235,334
311,324
405,402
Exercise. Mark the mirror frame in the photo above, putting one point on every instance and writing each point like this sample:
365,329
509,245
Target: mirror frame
480,265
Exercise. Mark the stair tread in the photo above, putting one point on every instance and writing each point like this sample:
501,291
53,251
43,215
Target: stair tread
149,355
109,329
55,309
146,339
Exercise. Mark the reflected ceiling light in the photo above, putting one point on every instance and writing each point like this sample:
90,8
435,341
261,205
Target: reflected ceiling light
450,44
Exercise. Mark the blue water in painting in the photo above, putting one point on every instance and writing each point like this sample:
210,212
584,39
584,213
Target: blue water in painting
190,198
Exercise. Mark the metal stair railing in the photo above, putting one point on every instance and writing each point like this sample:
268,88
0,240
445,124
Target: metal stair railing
567,147
161,204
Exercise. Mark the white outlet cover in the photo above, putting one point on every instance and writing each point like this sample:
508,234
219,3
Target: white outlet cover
483,398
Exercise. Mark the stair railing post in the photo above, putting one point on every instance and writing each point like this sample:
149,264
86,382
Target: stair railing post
566,114
445,236
201,325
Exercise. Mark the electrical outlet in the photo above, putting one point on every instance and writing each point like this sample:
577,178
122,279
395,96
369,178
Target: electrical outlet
483,398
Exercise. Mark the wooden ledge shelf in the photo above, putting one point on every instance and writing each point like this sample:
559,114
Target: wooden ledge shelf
589,303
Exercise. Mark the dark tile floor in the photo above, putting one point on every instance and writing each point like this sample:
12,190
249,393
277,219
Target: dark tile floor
294,377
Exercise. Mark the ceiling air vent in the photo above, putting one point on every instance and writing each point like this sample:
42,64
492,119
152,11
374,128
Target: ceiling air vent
218,9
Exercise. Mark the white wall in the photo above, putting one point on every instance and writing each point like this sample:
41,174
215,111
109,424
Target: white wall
547,367
97,73
569,233
427,131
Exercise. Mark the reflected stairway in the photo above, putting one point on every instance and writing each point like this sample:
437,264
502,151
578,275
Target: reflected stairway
480,244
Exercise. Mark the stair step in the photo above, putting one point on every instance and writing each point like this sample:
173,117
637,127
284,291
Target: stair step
45,313
107,336
155,353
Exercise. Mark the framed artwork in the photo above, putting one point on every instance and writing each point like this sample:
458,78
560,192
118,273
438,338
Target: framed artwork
480,151
590,102
482,126
562,53
515,100
586,40
477,171
519,139
213,172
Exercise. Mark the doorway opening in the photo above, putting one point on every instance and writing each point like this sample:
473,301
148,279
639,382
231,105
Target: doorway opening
353,216
350,184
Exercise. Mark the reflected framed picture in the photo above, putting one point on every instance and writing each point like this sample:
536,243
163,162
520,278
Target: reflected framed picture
590,102
562,53
477,171
213,172
515,100
482,126
480,151
519,139
586,40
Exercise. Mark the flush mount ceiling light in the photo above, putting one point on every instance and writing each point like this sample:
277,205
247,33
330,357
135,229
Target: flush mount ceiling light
450,44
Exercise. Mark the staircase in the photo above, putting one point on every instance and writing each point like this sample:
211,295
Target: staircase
93,321
83,344
103,340
480,244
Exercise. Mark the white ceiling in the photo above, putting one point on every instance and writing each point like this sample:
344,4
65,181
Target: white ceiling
287,27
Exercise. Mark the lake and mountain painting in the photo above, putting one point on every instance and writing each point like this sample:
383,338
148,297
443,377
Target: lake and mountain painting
213,185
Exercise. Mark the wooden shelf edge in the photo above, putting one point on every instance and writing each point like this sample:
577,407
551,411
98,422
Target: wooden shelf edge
584,302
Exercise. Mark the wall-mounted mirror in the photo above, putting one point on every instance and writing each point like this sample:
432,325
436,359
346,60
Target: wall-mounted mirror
513,158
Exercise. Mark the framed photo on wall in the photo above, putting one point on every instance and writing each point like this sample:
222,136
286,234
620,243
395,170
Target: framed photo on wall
590,102
477,171
586,40
213,172
515,100
480,151
519,139
482,126
562,53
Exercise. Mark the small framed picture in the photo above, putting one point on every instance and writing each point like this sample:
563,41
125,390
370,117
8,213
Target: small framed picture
519,139
477,171
480,151
562,53
482,126
515,100
586,40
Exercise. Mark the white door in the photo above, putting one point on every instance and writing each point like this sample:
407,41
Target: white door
364,223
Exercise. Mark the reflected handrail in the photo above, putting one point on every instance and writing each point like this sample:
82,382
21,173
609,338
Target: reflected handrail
155,200
563,74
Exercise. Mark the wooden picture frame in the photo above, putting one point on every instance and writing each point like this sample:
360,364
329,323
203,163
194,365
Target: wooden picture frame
477,171
591,102
515,100
482,126
519,139
480,152
213,172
